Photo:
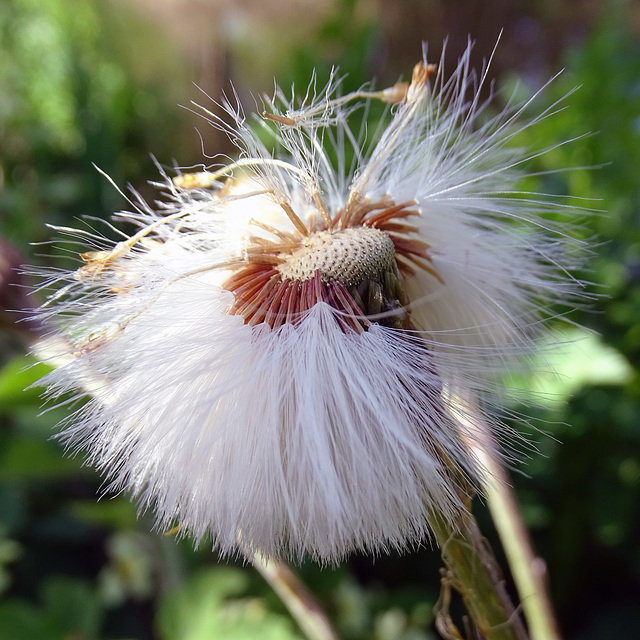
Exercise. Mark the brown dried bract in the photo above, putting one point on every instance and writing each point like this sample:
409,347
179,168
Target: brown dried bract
290,122
396,93
420,78
264,295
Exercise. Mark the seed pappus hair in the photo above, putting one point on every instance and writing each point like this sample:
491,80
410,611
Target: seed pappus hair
278,355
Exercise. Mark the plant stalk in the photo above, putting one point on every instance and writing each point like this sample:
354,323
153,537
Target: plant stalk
474,573
294,594
527,569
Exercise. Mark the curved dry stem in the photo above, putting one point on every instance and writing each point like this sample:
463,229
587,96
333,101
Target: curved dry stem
528,570
294,594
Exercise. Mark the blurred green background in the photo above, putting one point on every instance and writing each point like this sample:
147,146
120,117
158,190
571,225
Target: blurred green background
99,81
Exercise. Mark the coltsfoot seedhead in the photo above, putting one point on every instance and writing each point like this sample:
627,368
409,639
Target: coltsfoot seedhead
275,358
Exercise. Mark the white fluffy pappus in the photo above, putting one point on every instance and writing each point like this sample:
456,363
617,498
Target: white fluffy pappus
273,358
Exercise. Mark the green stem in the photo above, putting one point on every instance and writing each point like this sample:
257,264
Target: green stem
528,571
297,598
474,573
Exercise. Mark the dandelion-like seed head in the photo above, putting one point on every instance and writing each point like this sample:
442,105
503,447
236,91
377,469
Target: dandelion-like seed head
352,268
286,354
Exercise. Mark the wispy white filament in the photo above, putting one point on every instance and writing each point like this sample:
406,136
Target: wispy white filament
308,438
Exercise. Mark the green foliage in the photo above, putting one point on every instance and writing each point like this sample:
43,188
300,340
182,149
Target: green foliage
16,378
584,493
602,113
79,83
67,101
211,605
68,609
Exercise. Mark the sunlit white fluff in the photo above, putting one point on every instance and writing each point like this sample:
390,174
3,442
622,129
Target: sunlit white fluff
326,431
